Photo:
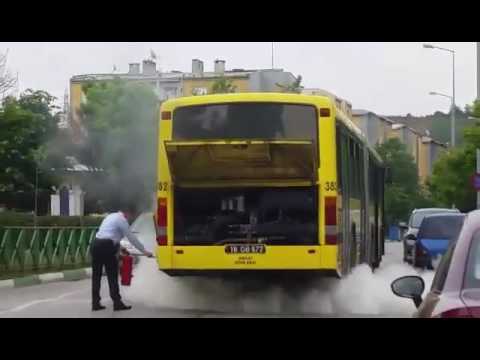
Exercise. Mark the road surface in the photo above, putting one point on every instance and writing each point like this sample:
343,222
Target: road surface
152,294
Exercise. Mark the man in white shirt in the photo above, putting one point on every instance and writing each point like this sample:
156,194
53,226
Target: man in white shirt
104,250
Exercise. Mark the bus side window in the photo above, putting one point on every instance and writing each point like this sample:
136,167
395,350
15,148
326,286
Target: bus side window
351,167
339,160
355,168
346,173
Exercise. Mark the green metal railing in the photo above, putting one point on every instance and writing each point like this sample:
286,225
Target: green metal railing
42,248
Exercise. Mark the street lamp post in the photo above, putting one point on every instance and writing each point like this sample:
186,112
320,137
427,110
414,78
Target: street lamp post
444,95
272,56
452,135
478,70
452,138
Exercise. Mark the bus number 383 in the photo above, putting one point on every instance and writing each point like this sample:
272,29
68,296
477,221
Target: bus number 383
330,186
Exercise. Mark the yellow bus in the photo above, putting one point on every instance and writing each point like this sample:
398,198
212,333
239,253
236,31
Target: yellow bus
265,182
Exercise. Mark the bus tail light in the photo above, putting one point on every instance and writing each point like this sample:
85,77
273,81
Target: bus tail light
331,220
166,115
162,222
324,112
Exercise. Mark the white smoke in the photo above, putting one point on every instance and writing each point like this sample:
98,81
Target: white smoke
361,293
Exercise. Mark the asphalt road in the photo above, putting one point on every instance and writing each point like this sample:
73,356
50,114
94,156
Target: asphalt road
153,294
72,300
363,295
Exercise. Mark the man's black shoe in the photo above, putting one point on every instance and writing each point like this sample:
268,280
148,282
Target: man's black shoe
121,306
97,307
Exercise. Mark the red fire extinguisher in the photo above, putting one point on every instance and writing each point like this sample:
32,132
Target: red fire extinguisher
126,268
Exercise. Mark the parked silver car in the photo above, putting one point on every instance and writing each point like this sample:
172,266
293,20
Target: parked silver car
413,226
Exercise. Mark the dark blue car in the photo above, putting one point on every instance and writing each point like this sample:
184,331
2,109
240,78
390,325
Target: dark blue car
435,234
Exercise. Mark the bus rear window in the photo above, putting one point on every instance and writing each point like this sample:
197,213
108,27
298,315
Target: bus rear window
245,121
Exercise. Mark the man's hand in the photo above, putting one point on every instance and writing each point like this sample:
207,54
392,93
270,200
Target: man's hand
148,254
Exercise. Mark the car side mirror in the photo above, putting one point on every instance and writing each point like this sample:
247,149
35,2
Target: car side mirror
410,287
403,225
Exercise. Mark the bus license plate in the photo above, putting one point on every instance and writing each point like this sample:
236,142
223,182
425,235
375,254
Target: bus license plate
245,249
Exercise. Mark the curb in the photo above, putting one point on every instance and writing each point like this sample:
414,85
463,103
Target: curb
67,275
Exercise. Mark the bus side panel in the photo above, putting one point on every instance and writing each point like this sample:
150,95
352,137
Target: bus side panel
165,191
329,257
344,174
328,186
164,257
340,261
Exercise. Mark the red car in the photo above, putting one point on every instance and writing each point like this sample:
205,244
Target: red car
455,290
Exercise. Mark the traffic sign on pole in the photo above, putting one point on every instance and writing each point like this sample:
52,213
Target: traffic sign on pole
476,181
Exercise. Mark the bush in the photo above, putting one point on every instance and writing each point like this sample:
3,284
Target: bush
10,218
24,201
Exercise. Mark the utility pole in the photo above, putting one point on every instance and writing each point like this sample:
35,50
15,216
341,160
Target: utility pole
453,136
478,99
478,71
452,113
272,55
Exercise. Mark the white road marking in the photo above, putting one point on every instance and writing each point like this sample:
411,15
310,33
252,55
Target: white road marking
32,303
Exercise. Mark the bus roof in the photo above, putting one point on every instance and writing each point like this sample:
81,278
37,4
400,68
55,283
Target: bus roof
318,100
243,97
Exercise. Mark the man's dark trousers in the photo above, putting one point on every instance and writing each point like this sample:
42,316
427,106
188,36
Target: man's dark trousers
104,253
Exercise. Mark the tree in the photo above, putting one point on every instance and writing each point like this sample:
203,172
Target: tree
7,80
121,122
404,171
404,193
450,183
223,86
475,109
26,126
294,87
450,180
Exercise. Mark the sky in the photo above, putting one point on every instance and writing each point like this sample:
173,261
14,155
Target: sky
386,78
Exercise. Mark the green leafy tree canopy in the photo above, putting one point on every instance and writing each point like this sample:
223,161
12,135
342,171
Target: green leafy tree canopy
404,193
26,126
450,182
404,171
223,86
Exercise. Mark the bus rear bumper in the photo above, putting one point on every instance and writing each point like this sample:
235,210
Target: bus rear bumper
255,273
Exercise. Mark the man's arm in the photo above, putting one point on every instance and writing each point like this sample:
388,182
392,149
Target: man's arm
132,238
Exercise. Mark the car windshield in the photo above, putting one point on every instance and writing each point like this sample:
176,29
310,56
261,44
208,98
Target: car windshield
417,218
441,227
